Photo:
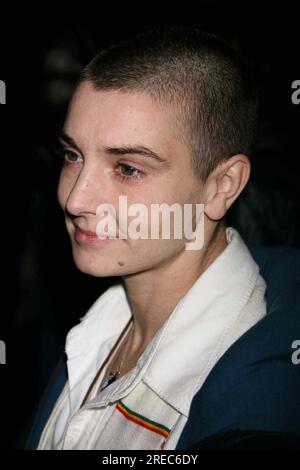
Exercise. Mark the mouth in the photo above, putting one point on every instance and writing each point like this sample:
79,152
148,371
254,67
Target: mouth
86,237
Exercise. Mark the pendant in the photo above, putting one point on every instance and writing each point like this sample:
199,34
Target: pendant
110,379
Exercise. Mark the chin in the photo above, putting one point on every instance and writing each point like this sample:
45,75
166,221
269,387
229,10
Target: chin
98,265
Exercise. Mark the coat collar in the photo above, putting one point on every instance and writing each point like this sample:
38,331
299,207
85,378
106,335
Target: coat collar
186,347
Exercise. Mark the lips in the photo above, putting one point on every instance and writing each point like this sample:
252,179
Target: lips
87,232
87,237
92,234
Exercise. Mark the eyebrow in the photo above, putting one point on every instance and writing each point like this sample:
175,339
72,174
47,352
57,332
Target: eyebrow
124,150
134,150
68,140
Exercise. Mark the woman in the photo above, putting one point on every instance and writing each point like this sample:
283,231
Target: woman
164,119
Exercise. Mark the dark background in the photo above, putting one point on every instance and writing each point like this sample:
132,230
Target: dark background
41,54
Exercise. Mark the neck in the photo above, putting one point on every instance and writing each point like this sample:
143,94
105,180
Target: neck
154,294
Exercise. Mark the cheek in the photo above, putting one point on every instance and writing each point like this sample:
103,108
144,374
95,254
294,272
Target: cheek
62,190
149,253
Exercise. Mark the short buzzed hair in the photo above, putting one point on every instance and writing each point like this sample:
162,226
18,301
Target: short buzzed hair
209,87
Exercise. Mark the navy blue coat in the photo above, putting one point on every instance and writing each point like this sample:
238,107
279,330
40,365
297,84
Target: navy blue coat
251,398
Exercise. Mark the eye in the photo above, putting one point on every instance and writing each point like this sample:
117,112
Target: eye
67,157
128,172
70,157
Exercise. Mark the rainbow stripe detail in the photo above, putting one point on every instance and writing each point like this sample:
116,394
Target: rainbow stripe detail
142,421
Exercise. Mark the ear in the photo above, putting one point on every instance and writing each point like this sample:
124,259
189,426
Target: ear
224,185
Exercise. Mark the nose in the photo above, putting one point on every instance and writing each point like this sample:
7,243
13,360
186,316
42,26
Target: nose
87,192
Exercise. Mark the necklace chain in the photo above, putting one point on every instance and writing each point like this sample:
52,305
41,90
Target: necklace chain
113,375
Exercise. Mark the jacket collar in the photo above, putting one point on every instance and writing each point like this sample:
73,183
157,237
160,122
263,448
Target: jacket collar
189,341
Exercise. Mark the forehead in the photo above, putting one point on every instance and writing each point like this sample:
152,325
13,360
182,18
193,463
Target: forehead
118,117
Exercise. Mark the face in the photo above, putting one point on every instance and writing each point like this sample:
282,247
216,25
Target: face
121,144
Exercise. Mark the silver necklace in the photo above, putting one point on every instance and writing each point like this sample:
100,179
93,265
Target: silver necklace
113,375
